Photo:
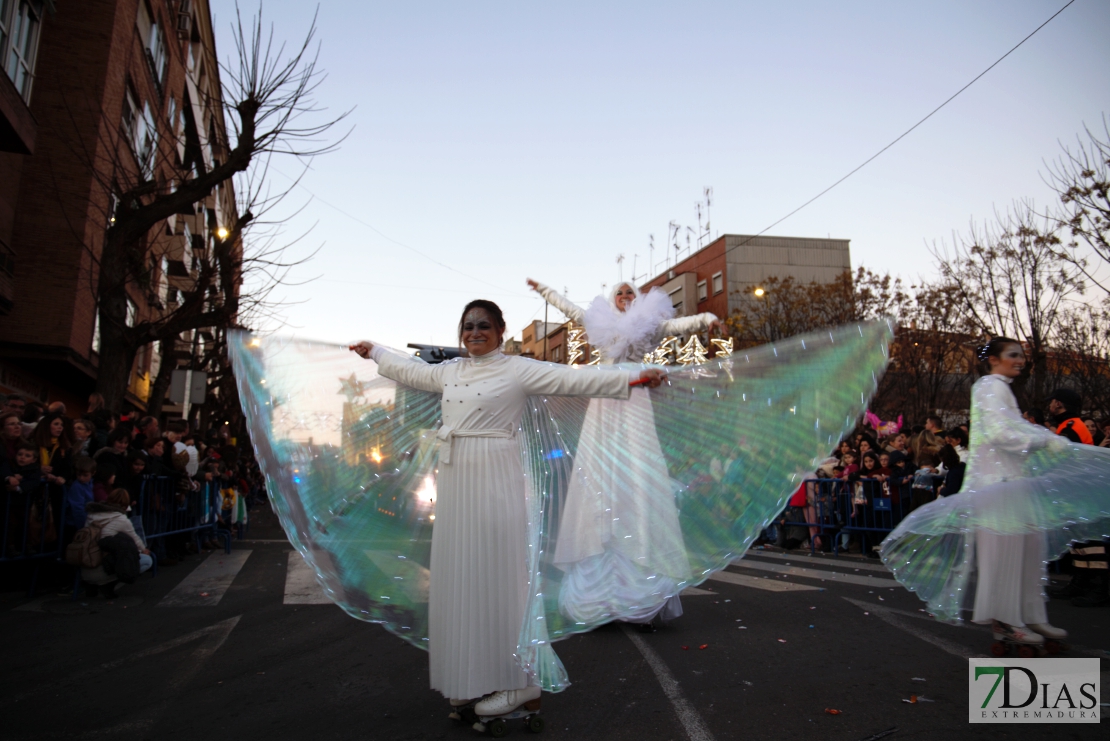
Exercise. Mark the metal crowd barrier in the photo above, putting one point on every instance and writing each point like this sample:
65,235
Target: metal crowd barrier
33,529
165,510
862,509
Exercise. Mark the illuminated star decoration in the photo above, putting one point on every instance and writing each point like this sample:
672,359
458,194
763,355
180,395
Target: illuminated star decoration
693,352
352,388
575,343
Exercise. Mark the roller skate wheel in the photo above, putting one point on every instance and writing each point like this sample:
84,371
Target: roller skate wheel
498,728
1026,652
999,649
535,724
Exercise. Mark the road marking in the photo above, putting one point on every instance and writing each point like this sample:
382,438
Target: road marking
206,585
410,577
221,629
845,563
898,619
822,574
768,585
213,639
692,723
694,592
301,587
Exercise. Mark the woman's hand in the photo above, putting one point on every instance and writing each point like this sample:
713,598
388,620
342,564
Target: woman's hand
532,284
717,326
652,378
363,349
47,470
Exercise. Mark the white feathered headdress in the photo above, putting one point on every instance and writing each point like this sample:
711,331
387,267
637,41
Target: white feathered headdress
629,334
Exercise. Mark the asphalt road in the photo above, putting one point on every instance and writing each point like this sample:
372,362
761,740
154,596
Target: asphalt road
785,637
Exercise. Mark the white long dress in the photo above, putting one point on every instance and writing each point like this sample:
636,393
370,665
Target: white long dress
479,560
1011,568
619,542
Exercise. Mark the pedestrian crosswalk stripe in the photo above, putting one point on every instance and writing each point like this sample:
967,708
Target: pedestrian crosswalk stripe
822,574
208,582
769,585
301,587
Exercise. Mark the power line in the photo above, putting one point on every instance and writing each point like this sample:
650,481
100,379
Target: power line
904,134
374,229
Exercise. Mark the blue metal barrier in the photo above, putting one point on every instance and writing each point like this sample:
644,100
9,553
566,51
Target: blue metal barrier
864,508
32,529
167,508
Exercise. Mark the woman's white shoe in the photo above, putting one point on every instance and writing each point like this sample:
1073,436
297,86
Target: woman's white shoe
1048,631
506,701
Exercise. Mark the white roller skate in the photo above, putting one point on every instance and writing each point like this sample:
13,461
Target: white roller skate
1027,642
495,710
1053,637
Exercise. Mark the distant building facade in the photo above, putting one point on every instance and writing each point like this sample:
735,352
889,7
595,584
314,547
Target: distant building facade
719,276
99,94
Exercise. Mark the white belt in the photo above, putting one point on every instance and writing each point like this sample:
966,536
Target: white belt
446,436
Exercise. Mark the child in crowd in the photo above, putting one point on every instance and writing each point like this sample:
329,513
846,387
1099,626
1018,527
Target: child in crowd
79,493
104,479
848,467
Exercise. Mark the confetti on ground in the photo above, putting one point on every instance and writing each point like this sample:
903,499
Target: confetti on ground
918,679
833,711
703,646
781,641
204,594
685,648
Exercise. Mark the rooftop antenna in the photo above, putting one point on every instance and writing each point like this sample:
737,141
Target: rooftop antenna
651,253
672,236
620,266
697,210
708,210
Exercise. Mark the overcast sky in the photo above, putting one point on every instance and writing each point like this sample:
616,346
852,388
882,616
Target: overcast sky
506,140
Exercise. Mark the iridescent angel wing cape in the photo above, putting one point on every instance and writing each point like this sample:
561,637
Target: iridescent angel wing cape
1061,491
350,460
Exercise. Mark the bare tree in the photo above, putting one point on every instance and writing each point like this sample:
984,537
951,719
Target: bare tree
1011,279
1081,177
268,100
1081,354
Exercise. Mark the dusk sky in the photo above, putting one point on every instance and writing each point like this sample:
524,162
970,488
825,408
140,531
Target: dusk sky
496,141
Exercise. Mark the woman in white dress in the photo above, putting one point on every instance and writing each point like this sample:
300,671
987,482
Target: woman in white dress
479,558
619,542
1010,591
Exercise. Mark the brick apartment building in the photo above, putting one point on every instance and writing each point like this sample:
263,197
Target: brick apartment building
725,272
107,93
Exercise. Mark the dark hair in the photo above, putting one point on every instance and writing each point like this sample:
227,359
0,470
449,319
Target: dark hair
104,471
949,457
870,456
993,349
32,412
41,434
119,498
1037,415
958,434
937,421
177,425
1072,401
84,464
120,433
26,445
135,455
490,308
4,420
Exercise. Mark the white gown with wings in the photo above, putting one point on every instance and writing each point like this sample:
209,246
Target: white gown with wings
619,522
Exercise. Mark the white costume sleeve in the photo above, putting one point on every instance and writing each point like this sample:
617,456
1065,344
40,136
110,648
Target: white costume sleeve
564,380
687,324
551,296
408,370
1000,424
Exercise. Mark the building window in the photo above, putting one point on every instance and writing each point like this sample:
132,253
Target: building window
153,45
703,291
557,354
132,313
96,332
19,41
141,132
718,283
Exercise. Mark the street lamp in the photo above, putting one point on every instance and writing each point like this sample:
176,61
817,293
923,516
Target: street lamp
222,233
759,292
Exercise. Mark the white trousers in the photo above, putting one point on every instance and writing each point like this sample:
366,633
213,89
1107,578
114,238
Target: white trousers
1010,580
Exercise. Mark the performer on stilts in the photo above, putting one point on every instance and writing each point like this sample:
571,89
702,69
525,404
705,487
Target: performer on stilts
609,493
479,552
1027,493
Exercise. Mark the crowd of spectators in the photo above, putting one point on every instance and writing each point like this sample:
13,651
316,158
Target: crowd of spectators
870,483
60,474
